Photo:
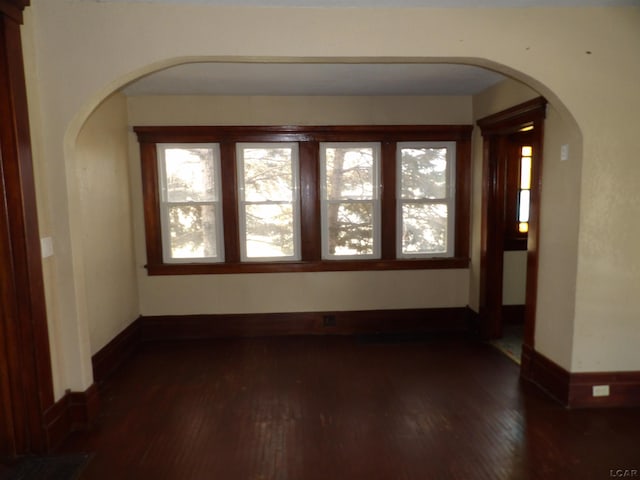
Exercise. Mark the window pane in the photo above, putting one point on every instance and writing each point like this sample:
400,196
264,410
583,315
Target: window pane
523,213
190,174
525,173
350,173
268,174
269,230
423,173
527,151
424,228
192,231
351,230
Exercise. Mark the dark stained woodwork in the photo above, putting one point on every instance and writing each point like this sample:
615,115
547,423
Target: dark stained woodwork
151,201
229,207
308,138
544,373
310,201
343,408
575,389
277,133
24,350
198,327
75,411
388,201
113,355
463,197
311,266
624,389
496,131
13,9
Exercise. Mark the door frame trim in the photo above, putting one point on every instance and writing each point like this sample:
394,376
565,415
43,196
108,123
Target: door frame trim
494,129
25,351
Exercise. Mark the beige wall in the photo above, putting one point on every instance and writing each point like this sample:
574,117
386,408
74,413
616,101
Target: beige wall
583,60
559,222
514,277
103,186
294,292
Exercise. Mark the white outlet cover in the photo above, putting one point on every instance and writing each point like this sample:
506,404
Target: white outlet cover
601,390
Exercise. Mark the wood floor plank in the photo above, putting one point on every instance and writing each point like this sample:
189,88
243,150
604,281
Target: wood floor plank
306,408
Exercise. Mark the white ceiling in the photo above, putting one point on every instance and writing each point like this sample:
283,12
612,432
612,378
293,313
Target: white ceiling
390,3
315,79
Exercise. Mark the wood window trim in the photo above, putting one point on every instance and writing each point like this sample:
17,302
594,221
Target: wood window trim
308,138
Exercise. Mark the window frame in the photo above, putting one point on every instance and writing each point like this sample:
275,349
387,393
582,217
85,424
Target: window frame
165,204
295,201
449,200
308,139
375,200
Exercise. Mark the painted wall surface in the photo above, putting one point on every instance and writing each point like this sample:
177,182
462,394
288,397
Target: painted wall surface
291,110
103,187
292,292
514,278
559,220
583,60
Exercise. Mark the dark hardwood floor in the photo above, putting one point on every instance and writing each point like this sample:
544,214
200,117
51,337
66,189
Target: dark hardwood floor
333,408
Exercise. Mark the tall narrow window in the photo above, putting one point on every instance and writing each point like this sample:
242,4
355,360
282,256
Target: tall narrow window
425,204
350,183
268,201
189,179
524,192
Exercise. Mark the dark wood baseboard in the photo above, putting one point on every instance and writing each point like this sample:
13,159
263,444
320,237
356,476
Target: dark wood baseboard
575,390
194,327
75,411
547,375
109,358
624,389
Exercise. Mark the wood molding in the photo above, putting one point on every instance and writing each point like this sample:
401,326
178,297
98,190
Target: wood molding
73,412
13,9
110,357
574,390
513,119
624,389
496,130
195,327
26,342
547,375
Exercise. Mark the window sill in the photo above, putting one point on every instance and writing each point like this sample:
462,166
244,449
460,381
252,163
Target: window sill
310,266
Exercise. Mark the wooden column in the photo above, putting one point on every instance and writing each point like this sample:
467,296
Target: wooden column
26,390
